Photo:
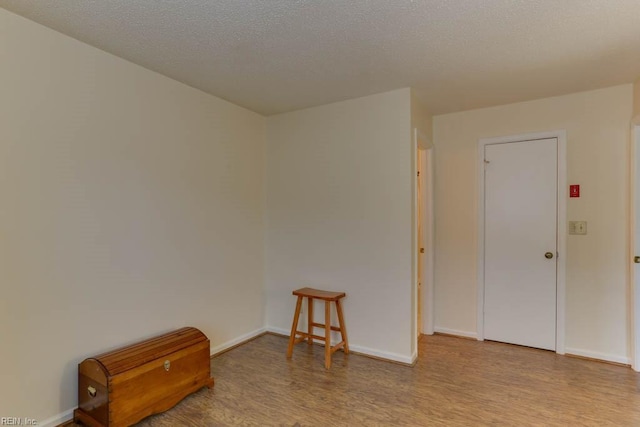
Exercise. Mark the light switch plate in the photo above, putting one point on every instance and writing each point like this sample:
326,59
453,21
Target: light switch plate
578,227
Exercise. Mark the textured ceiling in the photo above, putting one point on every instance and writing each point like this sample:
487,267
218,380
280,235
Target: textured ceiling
273,56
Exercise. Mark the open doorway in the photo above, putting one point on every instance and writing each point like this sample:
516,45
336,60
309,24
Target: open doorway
424,235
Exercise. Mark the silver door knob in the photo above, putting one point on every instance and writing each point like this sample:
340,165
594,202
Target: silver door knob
548,255
636,259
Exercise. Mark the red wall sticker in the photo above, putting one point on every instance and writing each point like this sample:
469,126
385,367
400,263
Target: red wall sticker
574,191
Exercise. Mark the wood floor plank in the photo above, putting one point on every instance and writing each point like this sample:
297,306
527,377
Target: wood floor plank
456,382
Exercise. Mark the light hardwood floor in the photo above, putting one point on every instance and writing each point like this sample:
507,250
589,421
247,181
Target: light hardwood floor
456,382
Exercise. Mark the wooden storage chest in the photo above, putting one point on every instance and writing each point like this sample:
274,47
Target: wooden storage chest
121,387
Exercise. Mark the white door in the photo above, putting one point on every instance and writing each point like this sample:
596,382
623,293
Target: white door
520,242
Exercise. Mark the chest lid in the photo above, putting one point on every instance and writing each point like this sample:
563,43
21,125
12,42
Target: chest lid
126,358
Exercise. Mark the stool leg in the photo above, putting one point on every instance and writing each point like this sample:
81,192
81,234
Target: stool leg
343,328
310,320
294,328
327,334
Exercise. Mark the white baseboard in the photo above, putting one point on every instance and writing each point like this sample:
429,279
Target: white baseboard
278,331
597,355
414,356
359,349
407,360
456,332
567,350
239,340
56,420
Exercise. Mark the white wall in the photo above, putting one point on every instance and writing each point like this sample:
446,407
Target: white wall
339,216
422,120
636,102
131,205
597,124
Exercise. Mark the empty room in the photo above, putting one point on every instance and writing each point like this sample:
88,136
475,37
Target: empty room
313,213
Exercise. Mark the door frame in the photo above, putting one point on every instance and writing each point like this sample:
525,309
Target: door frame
561,136
428,238
633,247
422,143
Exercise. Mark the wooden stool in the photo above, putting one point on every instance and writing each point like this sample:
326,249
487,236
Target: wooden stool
327,297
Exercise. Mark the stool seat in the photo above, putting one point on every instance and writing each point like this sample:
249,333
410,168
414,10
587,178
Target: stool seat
317,293
298,336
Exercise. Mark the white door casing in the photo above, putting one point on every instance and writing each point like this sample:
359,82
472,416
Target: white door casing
428,229
635,245
521,218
